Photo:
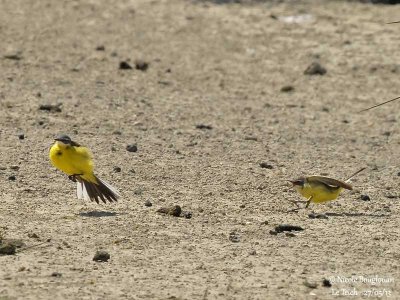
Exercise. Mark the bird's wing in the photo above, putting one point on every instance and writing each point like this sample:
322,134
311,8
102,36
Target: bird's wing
330,181
82,160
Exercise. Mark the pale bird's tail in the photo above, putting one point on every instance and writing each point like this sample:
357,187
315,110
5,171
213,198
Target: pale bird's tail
96,191
354,174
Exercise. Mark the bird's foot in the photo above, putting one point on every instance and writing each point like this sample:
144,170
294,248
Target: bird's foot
297,205
73,177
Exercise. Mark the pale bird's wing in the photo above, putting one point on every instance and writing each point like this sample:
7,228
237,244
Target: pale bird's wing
330,181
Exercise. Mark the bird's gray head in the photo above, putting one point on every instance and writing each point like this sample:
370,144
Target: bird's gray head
299,181
63,138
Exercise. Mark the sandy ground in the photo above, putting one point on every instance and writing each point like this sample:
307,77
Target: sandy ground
222,66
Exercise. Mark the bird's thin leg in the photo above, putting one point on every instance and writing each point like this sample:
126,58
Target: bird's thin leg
297,204
308,202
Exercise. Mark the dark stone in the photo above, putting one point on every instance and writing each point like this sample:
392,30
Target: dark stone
365,198
287,89
141,65
132,148
148,203
21,136
33,235
203,126
100,48
123,65
7,249
315,69
234,237
12,178
266,165
187,214
311,285
14,56
173,210
326,283
287,227
56,274
317,216
117,169
101,255
51,107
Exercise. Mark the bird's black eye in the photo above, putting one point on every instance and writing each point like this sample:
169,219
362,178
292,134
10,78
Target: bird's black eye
298,182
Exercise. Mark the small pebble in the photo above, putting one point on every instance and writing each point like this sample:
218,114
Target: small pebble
15,168
13,56
100,48
317,216
56,274
33,235
311,285
101,255
173,210
21,136
148,203
141,65
251,138
365,198
12,178
117,169
287,89
315,68
138,191
290,234
287,227
132,148
187,215
7,249
234,237
265,165
203,126
326,283
273,232
123,65
51,107
325,109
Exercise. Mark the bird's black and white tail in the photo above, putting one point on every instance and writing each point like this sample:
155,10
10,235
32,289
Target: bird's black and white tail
91,191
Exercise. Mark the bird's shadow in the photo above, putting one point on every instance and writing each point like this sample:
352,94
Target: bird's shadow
99,214
343,214
350,214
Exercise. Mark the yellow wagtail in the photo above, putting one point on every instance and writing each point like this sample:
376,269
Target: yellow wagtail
76,161
318,189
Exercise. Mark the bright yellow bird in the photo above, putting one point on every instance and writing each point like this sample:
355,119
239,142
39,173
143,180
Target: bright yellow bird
76,161
318,189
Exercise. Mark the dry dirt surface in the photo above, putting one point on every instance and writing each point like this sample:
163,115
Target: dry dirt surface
214,96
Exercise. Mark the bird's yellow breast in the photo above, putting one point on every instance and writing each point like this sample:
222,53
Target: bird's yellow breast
319,192
72,160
